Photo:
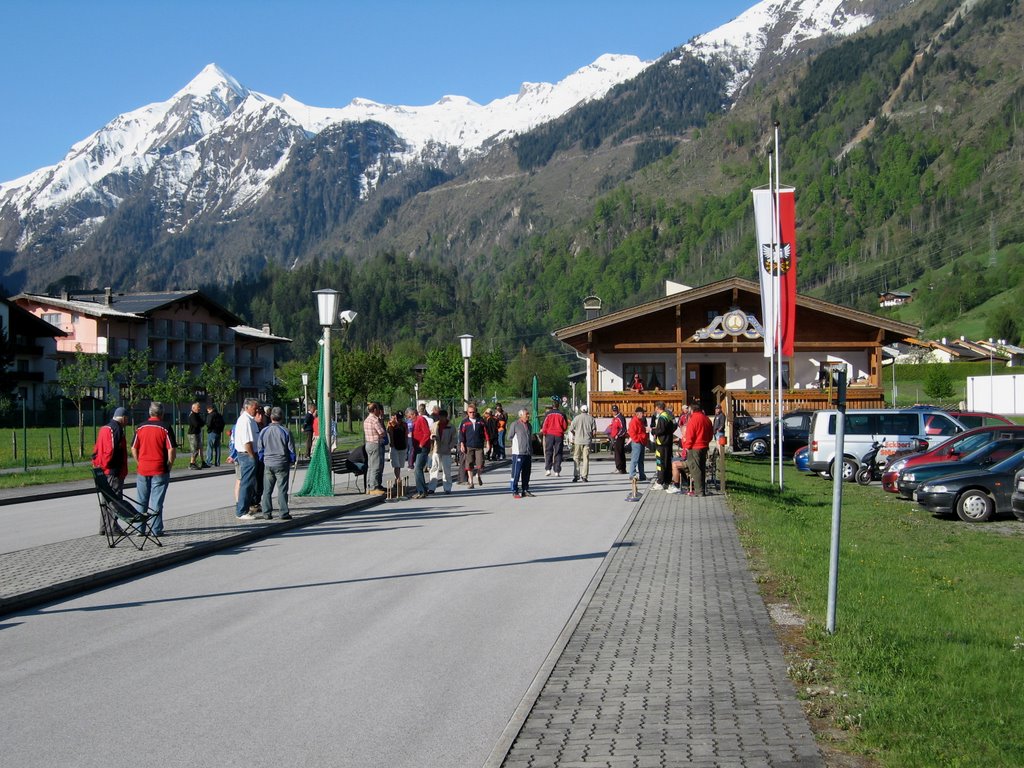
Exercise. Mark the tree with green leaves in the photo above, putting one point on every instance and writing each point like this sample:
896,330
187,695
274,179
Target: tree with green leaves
132,373
550,370
78,379
938,384
175,388
218,379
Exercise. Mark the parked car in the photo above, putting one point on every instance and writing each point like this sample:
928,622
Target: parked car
757,439
992,453
898,429
1017,497
969,419
951,450
973,496
800,459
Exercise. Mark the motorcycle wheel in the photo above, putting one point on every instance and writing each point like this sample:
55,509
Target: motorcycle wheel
864,476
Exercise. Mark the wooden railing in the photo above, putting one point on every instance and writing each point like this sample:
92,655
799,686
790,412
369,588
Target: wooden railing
753,403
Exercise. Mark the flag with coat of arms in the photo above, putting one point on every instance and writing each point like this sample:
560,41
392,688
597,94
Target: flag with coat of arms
775,221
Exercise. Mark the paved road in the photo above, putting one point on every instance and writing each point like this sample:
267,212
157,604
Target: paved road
34,523
404,635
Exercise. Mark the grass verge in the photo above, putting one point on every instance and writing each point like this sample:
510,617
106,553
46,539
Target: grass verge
926,667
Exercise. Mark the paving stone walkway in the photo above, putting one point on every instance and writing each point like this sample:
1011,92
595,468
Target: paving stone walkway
673,661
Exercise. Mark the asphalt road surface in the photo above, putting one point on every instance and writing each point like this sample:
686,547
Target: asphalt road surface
404,635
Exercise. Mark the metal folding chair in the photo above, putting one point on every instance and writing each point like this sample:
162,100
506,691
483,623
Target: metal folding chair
122,519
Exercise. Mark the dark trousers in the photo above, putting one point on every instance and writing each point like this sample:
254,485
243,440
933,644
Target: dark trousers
521,468
663,462
696,459
553,447
619,452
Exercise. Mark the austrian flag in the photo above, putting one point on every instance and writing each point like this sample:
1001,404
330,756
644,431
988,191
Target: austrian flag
775,218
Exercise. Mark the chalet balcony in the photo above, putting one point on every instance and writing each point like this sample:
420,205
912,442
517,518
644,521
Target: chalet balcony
739,402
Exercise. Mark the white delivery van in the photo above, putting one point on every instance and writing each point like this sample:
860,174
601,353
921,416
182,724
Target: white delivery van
898,429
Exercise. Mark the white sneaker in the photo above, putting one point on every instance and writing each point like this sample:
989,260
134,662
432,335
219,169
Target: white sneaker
547,473
558,474
246,516
657,487
672,489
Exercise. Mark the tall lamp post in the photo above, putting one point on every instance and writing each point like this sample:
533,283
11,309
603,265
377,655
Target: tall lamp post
327,310
345,317
467,352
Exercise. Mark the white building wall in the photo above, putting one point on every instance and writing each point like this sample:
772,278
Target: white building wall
998,394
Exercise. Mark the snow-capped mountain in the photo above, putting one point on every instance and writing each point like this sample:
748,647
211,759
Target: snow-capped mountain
213,151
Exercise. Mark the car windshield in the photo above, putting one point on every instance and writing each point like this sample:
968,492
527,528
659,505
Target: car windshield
1010,464
1003,448
971,443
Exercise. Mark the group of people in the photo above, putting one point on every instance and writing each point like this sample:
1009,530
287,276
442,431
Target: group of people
262,450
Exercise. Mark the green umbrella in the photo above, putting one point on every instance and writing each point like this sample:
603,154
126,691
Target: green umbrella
318,475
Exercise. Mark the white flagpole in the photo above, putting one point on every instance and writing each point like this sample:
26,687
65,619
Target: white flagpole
778,309
773,325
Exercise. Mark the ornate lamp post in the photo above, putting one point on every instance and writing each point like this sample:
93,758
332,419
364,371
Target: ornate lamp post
467,352
419,370
327,310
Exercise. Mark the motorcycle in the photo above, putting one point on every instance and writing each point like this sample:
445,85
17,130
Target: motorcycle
869,467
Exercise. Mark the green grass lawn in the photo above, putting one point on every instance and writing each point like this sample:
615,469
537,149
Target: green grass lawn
927,662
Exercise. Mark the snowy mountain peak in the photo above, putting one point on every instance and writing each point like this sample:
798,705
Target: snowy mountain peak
213,80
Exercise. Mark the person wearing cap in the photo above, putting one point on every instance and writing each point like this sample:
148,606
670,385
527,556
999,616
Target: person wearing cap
581,433
111,455
637,431
617,434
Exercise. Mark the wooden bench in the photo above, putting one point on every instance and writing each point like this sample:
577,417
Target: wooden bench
341,464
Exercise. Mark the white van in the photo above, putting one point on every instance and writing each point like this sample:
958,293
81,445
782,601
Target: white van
898,430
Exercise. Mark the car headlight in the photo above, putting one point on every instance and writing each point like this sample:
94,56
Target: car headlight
908,477
897,465
932,489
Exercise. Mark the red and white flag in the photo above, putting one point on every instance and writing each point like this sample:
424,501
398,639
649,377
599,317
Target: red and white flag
776,259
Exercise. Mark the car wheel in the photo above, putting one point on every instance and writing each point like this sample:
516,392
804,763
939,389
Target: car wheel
975,506
850,468
759,447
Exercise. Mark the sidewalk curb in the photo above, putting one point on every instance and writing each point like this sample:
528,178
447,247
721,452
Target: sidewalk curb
72,488
157,559
518,719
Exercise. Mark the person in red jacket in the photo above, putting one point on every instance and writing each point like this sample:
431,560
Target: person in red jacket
421,444
111,455
553,428
696,438
638,443
617,430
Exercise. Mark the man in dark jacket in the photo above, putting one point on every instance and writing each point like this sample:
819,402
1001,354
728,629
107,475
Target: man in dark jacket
662,430
617,436
473,443
214,431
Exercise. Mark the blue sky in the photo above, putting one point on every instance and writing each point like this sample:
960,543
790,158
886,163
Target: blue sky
69,66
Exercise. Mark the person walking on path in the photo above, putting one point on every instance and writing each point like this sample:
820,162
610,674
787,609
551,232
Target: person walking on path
581,433
444,442
154,451
663,431
196,422
637,444
520,435
245,436
374,435
473,443
617,435
111,455
553,428
214,431
421,446
502,418
276,449
696,438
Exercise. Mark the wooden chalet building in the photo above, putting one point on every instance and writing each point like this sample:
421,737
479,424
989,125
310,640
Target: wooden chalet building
704,343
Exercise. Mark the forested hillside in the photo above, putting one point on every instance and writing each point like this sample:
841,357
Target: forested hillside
904,143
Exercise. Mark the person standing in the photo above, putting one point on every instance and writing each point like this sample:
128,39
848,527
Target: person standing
502,418
520,435
374,435
696,438
717,447
154,451
581,433
638,443
214,431
617,435
396,444
195,438
421,445
553,428
473,443
245,436
276,449
111,455
444,442
663,431
491,425
307,429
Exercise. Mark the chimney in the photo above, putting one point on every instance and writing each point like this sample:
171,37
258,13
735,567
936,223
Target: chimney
266,328
64,295
592,307
108,296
